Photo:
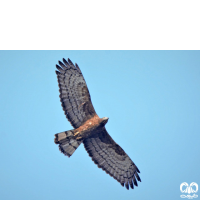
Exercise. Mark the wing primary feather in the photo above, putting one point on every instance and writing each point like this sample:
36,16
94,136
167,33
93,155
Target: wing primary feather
131,183
78,68
137,170
134,181
59,75
60,69
57,72
66,63
62,65
70,62
127,186
137,176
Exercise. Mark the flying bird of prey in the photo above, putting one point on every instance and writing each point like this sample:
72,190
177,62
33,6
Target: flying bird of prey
89,129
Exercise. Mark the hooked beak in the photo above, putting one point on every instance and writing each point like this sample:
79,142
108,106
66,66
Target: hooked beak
105,120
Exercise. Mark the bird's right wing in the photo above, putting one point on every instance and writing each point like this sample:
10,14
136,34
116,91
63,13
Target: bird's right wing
74,94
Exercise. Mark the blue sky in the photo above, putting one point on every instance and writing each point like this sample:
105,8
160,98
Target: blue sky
152,99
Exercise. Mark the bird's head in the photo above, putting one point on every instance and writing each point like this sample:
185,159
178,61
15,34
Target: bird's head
104,120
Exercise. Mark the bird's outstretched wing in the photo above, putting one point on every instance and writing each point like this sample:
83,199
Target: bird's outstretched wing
109,156
74,94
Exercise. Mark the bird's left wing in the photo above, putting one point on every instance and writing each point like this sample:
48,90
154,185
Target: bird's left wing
109,156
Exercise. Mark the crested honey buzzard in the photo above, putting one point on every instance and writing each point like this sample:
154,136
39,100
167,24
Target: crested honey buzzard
89,129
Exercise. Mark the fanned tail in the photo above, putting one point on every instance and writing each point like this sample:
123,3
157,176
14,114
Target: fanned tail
67,142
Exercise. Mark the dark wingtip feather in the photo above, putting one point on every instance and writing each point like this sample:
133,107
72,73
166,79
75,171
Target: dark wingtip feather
122,184
60,69
77,67
131,184
70,62
138,177
137,170
60,63
127,185
57,72
66,63
135,182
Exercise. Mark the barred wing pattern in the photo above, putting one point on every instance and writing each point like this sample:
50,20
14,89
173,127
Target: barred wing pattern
74,94
109,156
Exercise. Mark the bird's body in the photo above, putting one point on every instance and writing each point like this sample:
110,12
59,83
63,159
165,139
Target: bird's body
89,129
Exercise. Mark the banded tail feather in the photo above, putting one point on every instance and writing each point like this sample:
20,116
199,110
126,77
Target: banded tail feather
67,142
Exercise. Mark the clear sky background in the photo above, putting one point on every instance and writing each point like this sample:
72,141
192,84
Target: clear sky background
152,99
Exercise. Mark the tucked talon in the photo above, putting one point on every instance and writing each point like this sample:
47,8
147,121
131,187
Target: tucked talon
76,133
